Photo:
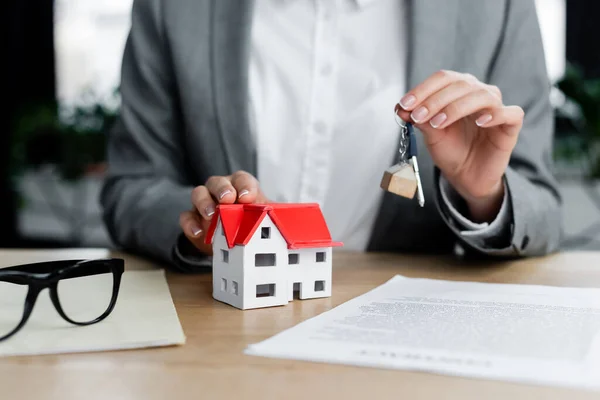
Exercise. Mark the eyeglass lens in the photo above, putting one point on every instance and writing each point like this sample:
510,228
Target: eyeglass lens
86,298
12,305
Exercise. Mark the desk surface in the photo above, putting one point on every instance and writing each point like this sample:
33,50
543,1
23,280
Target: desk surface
211,365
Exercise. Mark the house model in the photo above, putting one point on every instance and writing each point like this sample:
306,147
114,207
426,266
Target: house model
264,253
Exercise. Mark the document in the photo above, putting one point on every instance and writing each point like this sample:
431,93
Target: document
521,333
144,316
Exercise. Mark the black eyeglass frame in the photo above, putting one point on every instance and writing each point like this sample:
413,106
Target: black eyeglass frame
42,275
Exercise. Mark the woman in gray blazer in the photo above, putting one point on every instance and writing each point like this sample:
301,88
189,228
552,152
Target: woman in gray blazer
226,101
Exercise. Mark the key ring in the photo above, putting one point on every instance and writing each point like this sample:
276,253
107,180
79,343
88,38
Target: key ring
404,139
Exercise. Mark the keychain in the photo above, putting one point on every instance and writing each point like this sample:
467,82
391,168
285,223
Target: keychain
403,178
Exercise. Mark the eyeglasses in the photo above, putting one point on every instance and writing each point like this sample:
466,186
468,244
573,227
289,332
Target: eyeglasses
83,292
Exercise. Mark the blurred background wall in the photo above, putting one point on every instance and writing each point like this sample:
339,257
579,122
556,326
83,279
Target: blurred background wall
29,78
64,58
64,77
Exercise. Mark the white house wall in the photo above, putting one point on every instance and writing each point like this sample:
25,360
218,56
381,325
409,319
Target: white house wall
227,277
235,282
308,271
276,275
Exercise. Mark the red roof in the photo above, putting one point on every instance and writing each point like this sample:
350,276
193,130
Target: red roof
301,225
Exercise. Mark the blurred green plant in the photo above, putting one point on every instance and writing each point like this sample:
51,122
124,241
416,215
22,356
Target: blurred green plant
70,138
584,94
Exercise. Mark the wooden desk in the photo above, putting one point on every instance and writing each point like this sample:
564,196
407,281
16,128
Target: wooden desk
211,365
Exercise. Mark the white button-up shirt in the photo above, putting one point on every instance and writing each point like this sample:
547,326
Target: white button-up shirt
324,78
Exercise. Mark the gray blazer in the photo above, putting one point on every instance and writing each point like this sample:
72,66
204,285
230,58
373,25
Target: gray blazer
184,118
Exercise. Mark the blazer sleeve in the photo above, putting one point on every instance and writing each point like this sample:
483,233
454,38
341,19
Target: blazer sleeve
534,226
146,188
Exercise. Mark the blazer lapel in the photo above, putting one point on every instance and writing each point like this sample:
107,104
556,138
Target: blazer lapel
431,36
231,24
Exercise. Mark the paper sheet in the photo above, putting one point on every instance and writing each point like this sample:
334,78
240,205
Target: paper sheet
524,333
144,316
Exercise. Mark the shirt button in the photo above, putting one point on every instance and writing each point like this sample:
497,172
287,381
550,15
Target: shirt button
320,127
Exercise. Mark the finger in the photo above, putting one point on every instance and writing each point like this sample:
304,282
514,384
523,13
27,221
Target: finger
261,198
203,202
246,187
191,225
434,83
465,106
221,189
495,90
511,120
194,229
432,105
511,116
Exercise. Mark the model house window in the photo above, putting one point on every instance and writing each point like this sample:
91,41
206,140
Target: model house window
225,256
234,287
224,284
265,290
293,258
320,256
264,259
265,233
319,286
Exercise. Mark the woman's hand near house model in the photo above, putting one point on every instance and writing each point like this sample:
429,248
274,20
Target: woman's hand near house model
240,187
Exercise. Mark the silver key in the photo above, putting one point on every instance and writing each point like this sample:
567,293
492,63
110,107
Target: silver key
420,195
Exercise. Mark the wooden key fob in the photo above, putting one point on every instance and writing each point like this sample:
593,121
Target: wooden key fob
403,178
400,179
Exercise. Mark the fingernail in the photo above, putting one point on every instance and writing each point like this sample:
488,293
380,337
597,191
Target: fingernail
407,101
243,193
196,230
438,120
225,193
210,210
484,119
419,114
